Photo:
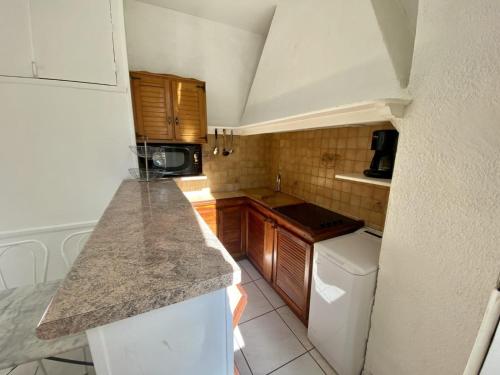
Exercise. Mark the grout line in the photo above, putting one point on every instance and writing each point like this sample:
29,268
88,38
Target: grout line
268,300
314,359
286,363
297,337
276,309
258,316
246,360
277,312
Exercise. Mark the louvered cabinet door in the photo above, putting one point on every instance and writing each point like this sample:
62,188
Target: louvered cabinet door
152,101
292,268
230,226
260,242
190,113
256,237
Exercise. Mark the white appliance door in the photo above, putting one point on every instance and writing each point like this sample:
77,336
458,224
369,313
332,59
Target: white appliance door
339,314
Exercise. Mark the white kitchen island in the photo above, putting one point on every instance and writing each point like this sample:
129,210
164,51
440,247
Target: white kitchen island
152,289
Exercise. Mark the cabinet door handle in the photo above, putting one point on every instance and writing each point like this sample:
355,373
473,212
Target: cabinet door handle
177,122
169,120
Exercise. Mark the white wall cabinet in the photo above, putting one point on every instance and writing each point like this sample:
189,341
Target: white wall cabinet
15,38
68,40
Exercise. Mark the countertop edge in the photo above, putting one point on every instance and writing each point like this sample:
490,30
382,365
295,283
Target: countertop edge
56,322
80,323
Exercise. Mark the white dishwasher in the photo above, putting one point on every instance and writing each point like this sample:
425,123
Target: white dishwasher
342,290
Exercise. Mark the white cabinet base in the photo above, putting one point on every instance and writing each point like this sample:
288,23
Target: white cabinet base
191,337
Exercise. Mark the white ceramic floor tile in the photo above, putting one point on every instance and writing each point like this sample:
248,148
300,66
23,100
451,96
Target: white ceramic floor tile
270,294
268,343
295,325
25,369
257,304
90,369
239,359
245,277
60,368
252,272
304,365
322,362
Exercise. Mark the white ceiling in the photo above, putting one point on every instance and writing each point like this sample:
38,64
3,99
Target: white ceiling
250,15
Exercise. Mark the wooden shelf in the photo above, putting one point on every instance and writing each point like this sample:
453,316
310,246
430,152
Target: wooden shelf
359,177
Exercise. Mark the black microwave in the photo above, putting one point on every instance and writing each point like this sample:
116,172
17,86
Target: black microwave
172,160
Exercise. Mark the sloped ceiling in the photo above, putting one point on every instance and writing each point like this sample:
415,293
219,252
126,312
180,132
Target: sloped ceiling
322,54
250,15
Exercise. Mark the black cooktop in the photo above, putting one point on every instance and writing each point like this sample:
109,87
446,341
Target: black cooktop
315,218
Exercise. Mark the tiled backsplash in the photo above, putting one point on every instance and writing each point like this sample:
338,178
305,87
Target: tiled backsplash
248,166
308,162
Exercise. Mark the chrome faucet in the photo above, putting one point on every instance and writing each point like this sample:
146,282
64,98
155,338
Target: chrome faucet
277,185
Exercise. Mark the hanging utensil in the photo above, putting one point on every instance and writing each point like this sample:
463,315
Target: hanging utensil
232,143
224,151
216,148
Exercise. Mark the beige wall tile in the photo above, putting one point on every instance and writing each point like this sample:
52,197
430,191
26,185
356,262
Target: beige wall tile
307,161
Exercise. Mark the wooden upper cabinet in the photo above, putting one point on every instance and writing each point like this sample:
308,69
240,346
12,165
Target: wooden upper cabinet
190,111
292,268
169,108
152,101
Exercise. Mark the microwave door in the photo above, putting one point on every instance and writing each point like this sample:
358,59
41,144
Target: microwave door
176,160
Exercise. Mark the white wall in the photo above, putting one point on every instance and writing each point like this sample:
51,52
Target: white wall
440,254
64,151
63,154
320,54
165,41
64,145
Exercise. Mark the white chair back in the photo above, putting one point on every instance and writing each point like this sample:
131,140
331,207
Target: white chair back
80,237
36,249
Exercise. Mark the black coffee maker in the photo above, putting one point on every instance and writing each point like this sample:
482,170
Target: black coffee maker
385,143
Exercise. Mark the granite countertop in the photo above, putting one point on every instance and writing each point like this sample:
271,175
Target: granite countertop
150,249
265,196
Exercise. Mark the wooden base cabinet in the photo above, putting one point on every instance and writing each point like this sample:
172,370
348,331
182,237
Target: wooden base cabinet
282,257
208,213
231,229
260,239
292,270
227,220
